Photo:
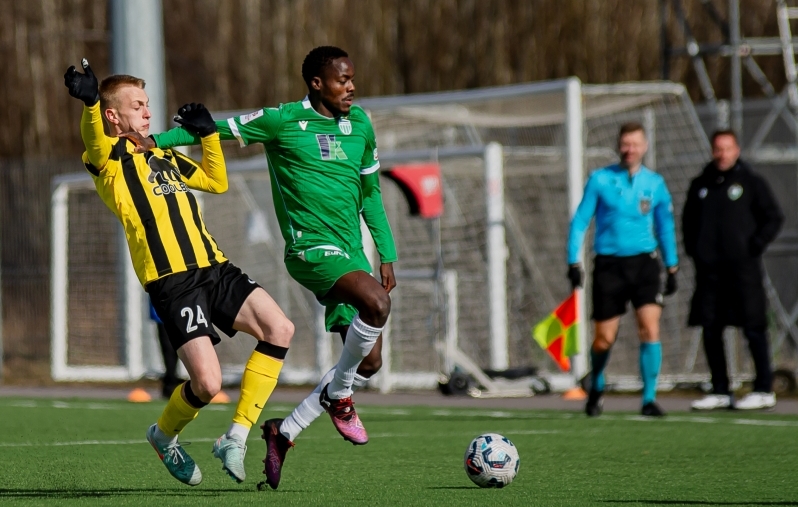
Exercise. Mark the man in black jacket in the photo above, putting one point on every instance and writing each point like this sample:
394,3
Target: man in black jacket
729,219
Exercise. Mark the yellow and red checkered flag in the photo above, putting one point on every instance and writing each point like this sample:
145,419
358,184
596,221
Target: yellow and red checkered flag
558,335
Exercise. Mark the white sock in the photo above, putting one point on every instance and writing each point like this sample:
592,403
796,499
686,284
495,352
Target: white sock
161,438
306,412
310,410
238,429
360,339
359,381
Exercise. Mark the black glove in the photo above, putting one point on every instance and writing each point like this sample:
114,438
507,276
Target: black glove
196,119
83,86
575,276
670,284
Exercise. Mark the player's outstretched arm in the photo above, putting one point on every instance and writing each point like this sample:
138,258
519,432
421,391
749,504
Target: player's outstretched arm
86,88
258,127
212,173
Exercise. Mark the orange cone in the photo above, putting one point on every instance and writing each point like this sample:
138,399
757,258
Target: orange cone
139,395
221,397
574,394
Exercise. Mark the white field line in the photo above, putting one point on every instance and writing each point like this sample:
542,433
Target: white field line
254,437
88,442
462,413
119,406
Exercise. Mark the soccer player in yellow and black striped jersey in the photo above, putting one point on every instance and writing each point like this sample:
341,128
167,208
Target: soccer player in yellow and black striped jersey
191,284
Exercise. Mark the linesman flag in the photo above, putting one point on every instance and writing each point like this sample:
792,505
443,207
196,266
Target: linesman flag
557,334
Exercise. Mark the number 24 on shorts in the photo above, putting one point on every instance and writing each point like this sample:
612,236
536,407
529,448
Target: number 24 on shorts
190,323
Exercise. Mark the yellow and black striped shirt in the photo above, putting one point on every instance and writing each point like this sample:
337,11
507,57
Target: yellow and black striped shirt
150,194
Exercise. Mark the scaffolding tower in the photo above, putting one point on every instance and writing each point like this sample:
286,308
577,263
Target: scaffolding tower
770,140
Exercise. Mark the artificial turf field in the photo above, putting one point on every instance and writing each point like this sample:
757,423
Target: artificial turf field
89,452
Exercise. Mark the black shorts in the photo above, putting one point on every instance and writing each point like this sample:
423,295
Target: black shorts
191,302
619,280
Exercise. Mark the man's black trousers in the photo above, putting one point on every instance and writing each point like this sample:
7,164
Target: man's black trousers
716,358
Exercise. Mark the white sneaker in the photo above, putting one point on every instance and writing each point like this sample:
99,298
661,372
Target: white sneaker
754,401
712,402
232,450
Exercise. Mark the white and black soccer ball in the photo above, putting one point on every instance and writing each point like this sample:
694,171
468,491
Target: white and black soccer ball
491,461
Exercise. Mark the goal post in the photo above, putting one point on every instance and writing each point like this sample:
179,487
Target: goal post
131,366
575,160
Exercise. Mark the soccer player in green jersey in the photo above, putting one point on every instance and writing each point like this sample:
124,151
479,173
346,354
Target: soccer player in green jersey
323,163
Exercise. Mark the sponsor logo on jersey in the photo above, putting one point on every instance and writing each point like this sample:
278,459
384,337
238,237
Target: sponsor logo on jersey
303,124
735,192
375,154
329,148
345,125
246,118
165,177
703,193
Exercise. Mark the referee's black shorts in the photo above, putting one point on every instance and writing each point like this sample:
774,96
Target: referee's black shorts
620,280
190,303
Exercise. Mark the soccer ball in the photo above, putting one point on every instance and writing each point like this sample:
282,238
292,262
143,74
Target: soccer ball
491,461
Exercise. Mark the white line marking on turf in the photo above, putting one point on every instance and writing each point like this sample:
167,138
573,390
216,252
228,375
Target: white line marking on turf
383,411
764,422
23,404
458,412
531,432
124,405
254,437
91,442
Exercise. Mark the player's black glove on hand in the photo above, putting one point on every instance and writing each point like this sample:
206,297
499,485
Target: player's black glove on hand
83,86
196,119
575,276
670,284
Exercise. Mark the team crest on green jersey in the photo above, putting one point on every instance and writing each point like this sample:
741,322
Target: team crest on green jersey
329,148
345,125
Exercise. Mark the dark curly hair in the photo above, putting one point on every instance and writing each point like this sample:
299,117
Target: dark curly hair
317,59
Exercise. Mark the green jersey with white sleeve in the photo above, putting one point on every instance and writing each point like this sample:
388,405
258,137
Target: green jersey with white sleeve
324,173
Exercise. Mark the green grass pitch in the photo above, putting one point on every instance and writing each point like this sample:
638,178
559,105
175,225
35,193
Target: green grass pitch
82,452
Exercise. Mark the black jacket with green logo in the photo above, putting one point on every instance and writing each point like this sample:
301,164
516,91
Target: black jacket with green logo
729,219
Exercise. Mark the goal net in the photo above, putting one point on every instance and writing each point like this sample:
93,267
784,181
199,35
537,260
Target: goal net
548,145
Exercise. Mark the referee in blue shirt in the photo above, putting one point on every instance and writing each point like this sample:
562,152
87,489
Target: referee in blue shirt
634,216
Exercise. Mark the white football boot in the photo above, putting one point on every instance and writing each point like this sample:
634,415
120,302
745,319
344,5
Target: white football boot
755,401
712,402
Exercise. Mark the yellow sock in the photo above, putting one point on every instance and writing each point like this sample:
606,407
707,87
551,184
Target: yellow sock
177,413
257,384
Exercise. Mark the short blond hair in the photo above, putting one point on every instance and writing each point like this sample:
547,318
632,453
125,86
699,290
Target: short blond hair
112,84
